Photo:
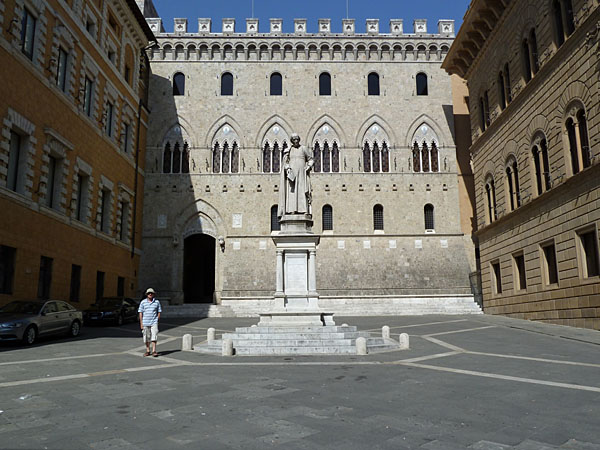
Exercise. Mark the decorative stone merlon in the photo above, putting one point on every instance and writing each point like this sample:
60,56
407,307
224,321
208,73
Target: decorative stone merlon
420,26
180,25
396,26
324,26
446,27
251,26
373,26
204,25
155,24
348,26
300,26
276,26
228,26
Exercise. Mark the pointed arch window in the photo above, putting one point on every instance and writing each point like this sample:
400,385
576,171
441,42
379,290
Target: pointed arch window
317,157
272,156
325,84
425,156
326,153
267,158
226,153
422,88
185,158
376,156
327,214
502,90
429,217
577,133
276,84
176,158
226,84
179,84
373,83
167,159
378,217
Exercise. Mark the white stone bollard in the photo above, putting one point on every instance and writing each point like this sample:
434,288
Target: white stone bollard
404,345
385,332
186,342
227,349
210,335
344,324
361,346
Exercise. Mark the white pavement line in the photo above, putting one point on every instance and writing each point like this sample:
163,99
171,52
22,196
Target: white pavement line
60,358
429,323
530,358
459,331
43,380
444,344
183,326
425,358
163,341
579,387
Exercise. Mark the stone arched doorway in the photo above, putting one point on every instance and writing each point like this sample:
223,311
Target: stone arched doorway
198,268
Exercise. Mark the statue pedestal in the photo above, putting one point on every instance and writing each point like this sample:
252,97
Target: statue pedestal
296,300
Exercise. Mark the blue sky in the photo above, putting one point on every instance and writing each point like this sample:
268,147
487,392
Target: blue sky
384,10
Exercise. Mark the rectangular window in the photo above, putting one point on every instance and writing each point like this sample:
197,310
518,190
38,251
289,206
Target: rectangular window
103,218
120,287
82,197
520,276
497,277
28,33
7,268
51,183
75,283
549,265
13,181
88,96
588,242
109,118
90,27
127,73
125,137
61,70
45,278
99,285
123,235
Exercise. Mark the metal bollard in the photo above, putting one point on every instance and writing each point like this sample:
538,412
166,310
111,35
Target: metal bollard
385,332
186,342
227,349
404,344
361,346
210,335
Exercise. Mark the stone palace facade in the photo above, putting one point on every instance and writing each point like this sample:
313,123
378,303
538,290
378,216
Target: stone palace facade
376,110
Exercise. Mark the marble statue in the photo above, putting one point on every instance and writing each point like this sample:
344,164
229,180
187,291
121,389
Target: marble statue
295,191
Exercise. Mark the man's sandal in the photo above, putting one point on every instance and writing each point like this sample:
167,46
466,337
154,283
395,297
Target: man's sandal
155,354
147,354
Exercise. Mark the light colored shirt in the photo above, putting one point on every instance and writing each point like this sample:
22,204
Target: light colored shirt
149,310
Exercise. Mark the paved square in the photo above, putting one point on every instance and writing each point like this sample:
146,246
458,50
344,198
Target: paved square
478,382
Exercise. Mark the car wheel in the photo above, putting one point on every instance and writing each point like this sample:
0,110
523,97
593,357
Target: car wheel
120,320
75,328
30,335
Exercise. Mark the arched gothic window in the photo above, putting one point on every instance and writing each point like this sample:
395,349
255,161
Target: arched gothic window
176,151
425,150
422,84
376,154
564,20
327,218
324,84
531,62
276,85
378,217
227,84
429,219
275,225
512,181
541,163
226,154
326,153
179,84
502,90
373,83
490,193
275,142
577,133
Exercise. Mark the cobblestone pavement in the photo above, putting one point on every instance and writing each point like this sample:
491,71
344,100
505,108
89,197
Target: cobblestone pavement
477,382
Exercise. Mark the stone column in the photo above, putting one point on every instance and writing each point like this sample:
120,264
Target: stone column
312,272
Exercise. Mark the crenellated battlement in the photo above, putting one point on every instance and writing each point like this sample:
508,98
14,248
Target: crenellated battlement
445,28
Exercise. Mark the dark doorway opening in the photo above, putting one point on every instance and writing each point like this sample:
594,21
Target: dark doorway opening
198,269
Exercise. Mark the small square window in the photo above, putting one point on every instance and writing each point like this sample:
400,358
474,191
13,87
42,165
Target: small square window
520,274
496,277
588,253
549,264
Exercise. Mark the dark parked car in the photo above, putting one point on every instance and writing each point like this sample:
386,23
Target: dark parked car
26,320
116,310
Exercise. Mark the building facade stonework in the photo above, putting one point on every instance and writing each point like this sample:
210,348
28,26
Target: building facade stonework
376,111
72,85
533,70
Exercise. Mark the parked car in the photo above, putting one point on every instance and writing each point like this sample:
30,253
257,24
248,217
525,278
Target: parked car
27,319
116,310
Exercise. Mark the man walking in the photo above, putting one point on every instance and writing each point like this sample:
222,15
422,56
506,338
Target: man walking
149,311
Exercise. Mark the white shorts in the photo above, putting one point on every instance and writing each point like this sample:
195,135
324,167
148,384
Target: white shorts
150,333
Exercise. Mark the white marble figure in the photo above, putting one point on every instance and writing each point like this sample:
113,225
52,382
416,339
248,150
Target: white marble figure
295,193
